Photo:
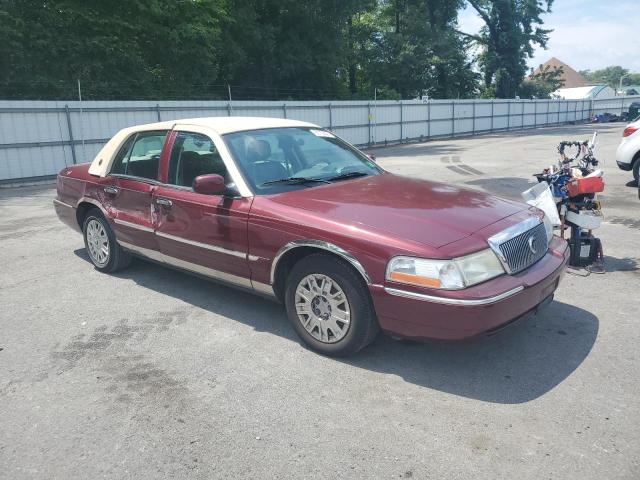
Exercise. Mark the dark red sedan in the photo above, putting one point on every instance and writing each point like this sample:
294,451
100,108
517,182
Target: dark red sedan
288,210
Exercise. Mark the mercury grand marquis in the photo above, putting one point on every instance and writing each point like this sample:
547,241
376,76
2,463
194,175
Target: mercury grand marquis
288,210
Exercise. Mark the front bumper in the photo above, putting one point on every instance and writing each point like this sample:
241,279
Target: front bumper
480,309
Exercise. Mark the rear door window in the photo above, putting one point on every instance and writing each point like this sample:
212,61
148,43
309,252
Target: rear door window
140,155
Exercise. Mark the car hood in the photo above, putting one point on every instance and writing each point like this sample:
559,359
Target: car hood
430,213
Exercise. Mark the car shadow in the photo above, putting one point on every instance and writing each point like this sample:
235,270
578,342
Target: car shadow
518,365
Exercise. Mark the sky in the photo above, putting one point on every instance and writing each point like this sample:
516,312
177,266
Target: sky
587,34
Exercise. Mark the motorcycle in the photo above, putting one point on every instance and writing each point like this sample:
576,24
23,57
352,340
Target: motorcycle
567,192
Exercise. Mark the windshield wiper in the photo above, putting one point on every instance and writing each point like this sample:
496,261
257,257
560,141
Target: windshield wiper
294,180
348,175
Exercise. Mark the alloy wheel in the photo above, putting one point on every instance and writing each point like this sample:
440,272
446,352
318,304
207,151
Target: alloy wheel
322,308
97,242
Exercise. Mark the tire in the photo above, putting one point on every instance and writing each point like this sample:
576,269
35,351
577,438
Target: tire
328,291
636,170
101,245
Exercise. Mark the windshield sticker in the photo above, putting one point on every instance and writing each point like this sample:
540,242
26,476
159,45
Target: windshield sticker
322,133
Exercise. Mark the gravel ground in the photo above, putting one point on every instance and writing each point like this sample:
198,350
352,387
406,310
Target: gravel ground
152,373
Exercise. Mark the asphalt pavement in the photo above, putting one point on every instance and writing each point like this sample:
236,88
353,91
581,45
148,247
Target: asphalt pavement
151,373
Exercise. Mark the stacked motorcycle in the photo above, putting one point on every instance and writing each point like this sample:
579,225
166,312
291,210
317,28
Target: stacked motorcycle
567,192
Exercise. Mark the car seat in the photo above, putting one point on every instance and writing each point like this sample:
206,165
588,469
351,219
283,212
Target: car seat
263,169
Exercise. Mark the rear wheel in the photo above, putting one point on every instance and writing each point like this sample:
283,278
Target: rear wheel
100,242
636,170
329,306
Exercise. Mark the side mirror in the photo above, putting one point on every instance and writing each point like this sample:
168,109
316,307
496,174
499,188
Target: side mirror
210,184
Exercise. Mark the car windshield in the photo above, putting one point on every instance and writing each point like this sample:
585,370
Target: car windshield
276,160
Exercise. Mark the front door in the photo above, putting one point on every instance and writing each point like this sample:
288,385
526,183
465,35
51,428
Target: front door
129,195
203,233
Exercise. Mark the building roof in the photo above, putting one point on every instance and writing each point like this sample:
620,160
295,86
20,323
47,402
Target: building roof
579,93
569,75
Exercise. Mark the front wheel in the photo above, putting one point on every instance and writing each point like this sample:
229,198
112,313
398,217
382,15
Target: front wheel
329,306
100,242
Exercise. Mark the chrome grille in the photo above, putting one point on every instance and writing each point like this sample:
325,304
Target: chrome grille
525,249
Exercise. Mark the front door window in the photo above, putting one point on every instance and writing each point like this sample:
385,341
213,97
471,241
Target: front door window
192,155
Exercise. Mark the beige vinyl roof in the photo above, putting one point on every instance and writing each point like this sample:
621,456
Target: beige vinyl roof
220,125
223,125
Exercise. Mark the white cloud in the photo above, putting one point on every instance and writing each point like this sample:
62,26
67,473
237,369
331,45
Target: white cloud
594,44
587,34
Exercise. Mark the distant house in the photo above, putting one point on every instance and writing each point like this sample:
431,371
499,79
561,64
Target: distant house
584,93
570,77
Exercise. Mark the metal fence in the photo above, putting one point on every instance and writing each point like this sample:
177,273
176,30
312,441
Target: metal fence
39,138
616,105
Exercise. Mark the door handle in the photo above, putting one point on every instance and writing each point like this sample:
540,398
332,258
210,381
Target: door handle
165,202
110,190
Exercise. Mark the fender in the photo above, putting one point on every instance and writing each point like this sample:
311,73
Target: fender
330,247
96,203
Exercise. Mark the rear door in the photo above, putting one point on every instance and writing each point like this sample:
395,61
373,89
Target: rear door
135,174
204,233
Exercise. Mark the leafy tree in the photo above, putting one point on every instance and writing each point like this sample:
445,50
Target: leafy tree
511,30
611,76
418,51
290,49
126,49
543,83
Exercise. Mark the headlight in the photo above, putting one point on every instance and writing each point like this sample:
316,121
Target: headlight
453,274
548,226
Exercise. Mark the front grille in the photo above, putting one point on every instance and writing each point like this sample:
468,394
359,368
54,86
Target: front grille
524,250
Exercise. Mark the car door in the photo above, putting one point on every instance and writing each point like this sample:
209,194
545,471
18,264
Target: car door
128,196
203,233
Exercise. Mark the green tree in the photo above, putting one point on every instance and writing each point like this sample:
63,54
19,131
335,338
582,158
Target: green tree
126,49
511,30
611,76
543,83
417,50
264,49
292,48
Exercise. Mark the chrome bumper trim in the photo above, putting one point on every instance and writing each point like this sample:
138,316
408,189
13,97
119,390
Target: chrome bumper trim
320,244
133,225
192,267
59,202
452,301
263,288
213,248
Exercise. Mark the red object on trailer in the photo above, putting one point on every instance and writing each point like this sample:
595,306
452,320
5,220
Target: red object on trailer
580,186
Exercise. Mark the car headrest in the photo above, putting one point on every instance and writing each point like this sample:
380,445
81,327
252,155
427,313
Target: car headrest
258,150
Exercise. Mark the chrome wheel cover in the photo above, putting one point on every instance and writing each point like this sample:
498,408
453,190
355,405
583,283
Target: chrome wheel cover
97,243
322,308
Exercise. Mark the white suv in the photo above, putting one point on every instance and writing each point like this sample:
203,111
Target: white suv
628,153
